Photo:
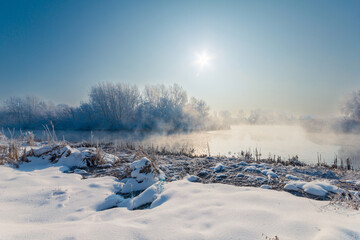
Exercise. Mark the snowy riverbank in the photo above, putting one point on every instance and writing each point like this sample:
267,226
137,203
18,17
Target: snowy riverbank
39,201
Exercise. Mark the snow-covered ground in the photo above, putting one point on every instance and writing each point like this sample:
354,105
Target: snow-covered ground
39,201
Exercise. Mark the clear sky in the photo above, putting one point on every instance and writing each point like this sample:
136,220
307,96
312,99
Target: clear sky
292,56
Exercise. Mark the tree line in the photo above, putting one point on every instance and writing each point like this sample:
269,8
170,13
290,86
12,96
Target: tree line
114,106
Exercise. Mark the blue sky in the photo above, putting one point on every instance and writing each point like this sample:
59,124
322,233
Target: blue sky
291,56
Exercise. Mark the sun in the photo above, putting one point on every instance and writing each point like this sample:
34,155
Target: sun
203,59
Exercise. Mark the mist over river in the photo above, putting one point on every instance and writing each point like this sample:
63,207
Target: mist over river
280,140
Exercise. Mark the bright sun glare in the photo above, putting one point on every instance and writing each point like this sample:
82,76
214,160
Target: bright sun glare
203,59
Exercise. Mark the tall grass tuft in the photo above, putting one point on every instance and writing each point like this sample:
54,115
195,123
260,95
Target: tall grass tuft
98,158
50,134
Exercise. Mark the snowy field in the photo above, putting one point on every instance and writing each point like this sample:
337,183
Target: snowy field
39,201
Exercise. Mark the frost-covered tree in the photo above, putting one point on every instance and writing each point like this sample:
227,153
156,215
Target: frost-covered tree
115,104
351,111
163,107
351,108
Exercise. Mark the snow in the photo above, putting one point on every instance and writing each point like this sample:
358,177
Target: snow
192,178
240,175
147,196
269,173
272,175
42,150
39,201
256,179
219,167
292,187
110,202
252,169
80,171
292,177
221,176
316,188
242,163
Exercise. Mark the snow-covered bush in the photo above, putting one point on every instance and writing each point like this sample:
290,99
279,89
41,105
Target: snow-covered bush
143,174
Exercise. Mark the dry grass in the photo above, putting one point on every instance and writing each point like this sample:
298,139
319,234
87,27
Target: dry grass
11,153
30,138
141,153
97,158
13,150
270,238
183,150
3,154
346,199
50,134
24,156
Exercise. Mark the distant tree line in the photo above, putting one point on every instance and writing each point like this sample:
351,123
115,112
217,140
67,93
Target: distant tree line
114,106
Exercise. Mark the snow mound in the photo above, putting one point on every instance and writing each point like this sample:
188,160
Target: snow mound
315,188
110,202
219,167
265,186
192,178
143,175
146,197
